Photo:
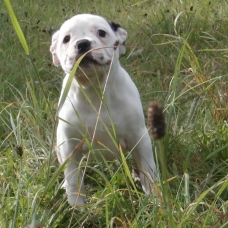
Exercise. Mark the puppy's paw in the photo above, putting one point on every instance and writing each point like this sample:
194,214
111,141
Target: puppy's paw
147,182
76,200
64,185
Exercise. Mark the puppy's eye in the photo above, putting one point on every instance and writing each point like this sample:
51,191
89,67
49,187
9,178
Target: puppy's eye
66,39
101,33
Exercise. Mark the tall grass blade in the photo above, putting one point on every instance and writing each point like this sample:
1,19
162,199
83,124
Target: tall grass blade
216,151
186,189
127,171
68,84
199,200
17,26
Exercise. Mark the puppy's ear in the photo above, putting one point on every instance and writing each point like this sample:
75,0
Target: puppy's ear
121,35
53,47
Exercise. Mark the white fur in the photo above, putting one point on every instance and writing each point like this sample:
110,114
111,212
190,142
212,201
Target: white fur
79,114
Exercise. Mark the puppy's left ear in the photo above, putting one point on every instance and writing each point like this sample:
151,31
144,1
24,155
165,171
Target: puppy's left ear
53,47
121,35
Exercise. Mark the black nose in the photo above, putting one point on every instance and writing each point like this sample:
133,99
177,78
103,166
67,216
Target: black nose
83,46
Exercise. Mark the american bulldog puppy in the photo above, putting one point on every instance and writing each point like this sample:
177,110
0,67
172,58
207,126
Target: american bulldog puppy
102,112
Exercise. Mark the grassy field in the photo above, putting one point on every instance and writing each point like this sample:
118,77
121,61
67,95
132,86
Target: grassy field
177,53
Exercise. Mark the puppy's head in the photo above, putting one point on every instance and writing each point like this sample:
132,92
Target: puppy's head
87,33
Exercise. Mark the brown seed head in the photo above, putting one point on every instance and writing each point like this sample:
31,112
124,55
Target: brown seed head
156,120
19,150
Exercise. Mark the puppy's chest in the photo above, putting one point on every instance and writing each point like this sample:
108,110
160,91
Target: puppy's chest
99,119
92,115
105,134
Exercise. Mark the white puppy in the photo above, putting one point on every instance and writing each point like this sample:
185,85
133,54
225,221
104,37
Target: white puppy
85,117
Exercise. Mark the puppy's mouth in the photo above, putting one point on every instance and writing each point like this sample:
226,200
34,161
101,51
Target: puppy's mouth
88,60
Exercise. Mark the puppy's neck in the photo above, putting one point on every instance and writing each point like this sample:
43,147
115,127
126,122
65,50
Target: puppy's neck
94,79
88,81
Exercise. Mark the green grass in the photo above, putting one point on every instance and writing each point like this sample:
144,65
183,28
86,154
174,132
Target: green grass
177,54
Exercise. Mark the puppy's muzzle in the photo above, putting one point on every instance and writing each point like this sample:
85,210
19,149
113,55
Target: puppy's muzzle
83,46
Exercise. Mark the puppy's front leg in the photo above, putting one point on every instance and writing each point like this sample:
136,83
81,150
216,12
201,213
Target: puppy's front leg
73,184
144,161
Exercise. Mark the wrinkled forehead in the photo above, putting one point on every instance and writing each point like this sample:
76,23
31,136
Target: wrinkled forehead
85,22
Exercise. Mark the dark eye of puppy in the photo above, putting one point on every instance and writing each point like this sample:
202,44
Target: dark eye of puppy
66,39
101,33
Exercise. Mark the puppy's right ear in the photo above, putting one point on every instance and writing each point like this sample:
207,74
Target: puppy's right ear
121,35
53,47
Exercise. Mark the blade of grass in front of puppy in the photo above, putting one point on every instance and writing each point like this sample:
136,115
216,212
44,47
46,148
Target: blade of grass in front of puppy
17,26
127,170
104,101
69,81
68,84
103,123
